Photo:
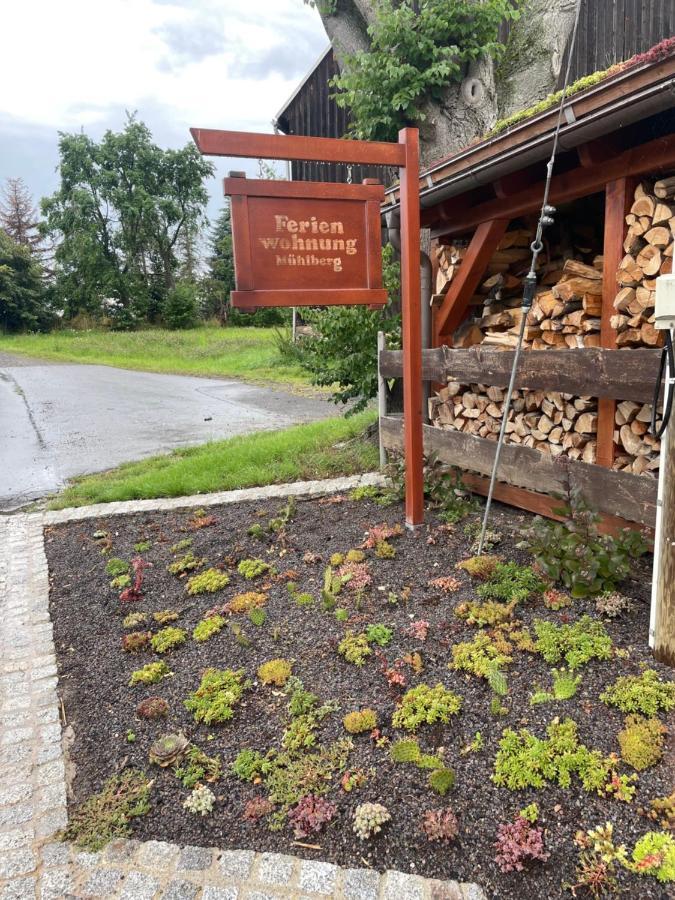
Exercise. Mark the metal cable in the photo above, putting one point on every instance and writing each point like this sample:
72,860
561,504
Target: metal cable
545,219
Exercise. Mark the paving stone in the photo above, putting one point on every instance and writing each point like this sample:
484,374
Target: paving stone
445,890
86,860
236,863
19,889
157,854
401,886
17,862
103,882
50,822
15,736
180,890
212,892
16,815
360,884
121,850
56,884
274,868
56,854
51,772
258,895
195,858
317,877
139,886
472,891
17,837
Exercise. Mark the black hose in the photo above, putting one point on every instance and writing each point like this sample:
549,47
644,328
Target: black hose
666,357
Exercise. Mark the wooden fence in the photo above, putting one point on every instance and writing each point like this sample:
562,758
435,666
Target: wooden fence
527,477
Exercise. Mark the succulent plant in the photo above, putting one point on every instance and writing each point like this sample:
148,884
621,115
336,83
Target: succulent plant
257,808
150,673
164,616
135,641
276,671
134,620
152,708
369,819
246,602
252,568
168,750
517,843
200,801
310,815
207,582
356,722
440,825
168,638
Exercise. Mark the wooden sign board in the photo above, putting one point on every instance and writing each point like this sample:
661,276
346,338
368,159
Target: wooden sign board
306,243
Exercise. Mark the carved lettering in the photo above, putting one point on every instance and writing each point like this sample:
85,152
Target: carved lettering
304,249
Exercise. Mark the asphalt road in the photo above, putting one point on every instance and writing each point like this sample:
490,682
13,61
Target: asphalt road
61,420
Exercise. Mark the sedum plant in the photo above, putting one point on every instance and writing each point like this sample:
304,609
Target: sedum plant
565,686
201,800
207,582
440,825
577,644
168,639
641,741
150,673
358,722
164,616
108,815
424,705
253,568
654,854
517,843
482,658
152,708
275,671
219,692
379,634
185,563
644,693
509,582
135,641
168,750
244,603
369,819
442,780
135,620
355,648
116,567
197,766
207,628
311,815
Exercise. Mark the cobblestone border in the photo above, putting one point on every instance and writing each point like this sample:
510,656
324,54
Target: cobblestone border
32,770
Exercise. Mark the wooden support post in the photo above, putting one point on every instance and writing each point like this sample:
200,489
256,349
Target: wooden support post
483,244
412,328
664,612
618,199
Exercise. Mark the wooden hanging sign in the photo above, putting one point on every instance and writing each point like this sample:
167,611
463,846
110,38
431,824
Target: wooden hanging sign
306,243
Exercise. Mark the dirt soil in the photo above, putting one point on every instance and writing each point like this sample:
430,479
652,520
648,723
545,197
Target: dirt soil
100,706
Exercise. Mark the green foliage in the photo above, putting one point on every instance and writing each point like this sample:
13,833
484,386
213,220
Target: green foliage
167,639
445,492
301,701
530,813
207,582
289,776
355,556
257,616
654,854
122,581
135,620
180,309
385,550
168,750
300,733
135,641
185,544
342,615
575,554
275,671
150,673
197,766
641,741
565,686
480,567
252,568
248,764
343,350
578,643
219,692
442,780
644,693
303,599
185,563
246,602
483,659
355,648
424,705
164,616
524,760
142,546
492,612
121,210
24,300
206,628
416,48
509,582
115,567
357,722
379,634
108,814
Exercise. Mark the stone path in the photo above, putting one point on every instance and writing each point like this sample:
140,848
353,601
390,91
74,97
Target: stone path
33,864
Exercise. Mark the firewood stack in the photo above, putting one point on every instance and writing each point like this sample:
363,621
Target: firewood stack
555,423
637,449
649,253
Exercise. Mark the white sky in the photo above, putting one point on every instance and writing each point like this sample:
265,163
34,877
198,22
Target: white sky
71,64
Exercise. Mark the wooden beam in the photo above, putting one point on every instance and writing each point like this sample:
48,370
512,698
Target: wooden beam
483,245
619,375
632,497
411,302
598,151
213,142
618,199
655,156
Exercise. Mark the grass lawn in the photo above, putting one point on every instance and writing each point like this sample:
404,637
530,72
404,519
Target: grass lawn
301,453
247,353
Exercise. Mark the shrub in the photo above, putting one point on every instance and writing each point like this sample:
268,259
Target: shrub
509,582
440,825
152,708
575,554
219,692
275,671
357,722
578,643
311,815
379,634
246,602
167,639
424,705
135,641
519,842
150,673
483,659
355,648
207,582
442,780
185,564
201,800
108,814
252,568
179,309
644,693
369,819
641,741
206,628
654,854
116,566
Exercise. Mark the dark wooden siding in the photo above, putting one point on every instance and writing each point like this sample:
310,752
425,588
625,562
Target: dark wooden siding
609,31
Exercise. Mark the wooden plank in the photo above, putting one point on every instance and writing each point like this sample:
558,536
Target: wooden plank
620,374
657,156
467,278
631,497
252,299
304,190
411,327
214,142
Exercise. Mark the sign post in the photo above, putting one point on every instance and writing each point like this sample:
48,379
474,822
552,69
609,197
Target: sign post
300,213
